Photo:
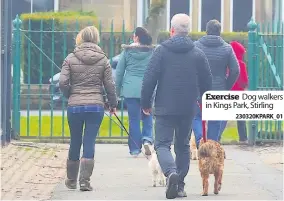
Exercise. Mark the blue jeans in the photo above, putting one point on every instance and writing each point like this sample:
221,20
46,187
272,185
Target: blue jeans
91,122
134,116
214,130
197,126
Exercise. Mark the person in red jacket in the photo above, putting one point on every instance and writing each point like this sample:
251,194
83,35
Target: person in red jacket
240,85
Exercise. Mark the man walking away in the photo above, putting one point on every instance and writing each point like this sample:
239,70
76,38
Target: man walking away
220,56
181,72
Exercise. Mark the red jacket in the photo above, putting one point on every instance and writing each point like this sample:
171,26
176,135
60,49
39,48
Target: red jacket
242,81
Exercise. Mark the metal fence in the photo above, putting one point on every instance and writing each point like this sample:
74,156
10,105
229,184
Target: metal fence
265,65
39,50
38,53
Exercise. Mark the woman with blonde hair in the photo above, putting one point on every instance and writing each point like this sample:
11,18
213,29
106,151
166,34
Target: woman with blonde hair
84,72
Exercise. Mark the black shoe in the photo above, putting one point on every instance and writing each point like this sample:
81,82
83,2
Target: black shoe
181,194
172,186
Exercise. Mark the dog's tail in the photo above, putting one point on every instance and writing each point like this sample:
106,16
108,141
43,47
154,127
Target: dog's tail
205,150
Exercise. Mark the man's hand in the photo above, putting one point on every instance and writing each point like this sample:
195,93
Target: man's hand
147,111
112,111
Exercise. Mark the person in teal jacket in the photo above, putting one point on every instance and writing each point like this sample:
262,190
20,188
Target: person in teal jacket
130,71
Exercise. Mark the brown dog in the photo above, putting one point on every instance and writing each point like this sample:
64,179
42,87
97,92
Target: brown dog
211,161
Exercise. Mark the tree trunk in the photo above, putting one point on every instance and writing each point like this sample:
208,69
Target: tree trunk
153,22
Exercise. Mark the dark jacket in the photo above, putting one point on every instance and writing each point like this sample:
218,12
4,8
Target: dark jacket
220,56
181,72
84,73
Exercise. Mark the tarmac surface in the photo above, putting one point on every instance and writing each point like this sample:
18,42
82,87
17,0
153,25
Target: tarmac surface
250,174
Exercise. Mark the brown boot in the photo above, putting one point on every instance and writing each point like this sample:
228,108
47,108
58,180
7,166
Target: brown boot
86,170
72,174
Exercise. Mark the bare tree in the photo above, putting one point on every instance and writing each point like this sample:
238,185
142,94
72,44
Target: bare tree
157,8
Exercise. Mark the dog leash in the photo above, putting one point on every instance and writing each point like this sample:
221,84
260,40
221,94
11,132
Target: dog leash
204,136
122,126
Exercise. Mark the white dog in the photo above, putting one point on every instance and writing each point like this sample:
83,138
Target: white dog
155,168
193,148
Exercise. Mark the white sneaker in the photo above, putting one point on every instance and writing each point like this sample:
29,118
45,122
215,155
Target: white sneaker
147,148
134,155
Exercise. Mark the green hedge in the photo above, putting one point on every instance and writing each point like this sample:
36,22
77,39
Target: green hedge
242,37
49,35
120,38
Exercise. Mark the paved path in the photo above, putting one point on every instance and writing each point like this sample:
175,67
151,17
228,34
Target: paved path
31,171
118,177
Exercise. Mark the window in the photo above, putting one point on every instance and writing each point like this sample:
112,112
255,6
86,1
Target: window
19,7
242,13
43,6
24,6
210,9
179,6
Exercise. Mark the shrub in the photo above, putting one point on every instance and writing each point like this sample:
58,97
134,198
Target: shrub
242,37
47,39
111,42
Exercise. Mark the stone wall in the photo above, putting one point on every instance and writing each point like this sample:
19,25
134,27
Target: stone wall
34,97
106,10
264,11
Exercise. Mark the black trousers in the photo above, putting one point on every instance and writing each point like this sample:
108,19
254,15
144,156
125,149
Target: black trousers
242,130
166,128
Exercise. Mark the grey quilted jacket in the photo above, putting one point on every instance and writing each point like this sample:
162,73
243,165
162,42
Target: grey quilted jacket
220,56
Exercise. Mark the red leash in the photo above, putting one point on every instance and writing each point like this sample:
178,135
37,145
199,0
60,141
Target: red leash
204,136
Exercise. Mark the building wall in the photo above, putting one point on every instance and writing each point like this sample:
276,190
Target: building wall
227,15
106,10
134,12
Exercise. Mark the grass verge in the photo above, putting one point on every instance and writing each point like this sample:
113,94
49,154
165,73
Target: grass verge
57,127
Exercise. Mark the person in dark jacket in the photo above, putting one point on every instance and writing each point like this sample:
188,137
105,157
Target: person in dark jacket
220,56
130,70
181,73
84,72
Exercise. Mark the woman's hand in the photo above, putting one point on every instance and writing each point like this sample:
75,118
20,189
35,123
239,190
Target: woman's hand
147,111
112,111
